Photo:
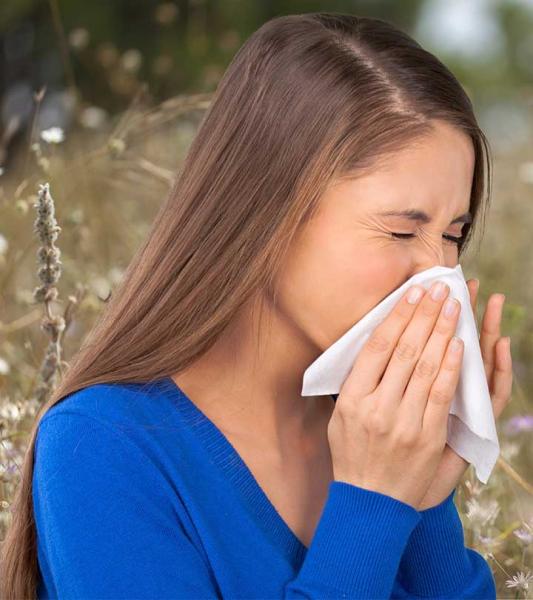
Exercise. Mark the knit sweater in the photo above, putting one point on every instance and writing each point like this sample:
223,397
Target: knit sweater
137,494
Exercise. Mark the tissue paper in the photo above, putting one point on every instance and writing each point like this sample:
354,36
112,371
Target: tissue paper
471,429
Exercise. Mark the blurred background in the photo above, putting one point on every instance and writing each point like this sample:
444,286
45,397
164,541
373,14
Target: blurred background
102,99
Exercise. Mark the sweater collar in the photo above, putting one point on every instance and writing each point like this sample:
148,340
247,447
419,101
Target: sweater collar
226,457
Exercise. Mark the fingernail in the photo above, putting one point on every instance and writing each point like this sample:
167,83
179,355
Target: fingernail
449,307
414,295
438,289
456,344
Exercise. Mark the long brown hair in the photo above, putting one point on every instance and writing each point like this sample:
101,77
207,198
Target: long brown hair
307,99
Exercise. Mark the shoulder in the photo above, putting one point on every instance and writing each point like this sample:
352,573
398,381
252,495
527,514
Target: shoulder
119,405
98,412
104,430
137,419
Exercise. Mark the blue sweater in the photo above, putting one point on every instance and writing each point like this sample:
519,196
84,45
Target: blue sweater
137,494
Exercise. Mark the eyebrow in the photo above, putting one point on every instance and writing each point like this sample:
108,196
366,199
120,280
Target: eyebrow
422,217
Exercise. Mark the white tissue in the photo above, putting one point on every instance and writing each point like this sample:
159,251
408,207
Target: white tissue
471,427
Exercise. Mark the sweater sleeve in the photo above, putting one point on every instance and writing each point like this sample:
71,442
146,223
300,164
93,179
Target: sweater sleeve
104,522
436,562
357,546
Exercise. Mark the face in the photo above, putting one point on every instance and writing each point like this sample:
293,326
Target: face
346,260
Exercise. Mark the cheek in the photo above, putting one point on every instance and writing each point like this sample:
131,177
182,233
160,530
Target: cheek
330,283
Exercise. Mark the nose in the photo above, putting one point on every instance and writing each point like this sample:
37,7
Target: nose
432,257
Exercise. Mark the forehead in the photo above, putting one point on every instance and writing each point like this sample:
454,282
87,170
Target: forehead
433,173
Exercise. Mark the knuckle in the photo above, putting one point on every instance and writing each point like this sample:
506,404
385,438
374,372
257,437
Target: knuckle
407,437
443,327
378,342
345,408
348,395
451,365
425,369
404,311
439,396
405,351
428,309
375,423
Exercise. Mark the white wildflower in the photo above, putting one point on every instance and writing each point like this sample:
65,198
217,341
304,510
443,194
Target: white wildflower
482,513
93,117
509,450
100,286
53,135
490,545
115,275
474,487
10,411
520,580
525,534
7,446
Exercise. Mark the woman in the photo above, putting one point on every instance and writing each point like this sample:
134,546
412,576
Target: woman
177,458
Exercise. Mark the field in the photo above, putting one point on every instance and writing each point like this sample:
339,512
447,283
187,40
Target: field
108,175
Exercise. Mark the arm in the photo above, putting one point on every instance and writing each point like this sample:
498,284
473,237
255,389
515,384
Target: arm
436,562
105,526
357,546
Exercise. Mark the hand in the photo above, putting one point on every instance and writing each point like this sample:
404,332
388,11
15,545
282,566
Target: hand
496,353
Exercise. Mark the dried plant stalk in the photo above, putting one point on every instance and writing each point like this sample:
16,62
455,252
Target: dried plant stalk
49,273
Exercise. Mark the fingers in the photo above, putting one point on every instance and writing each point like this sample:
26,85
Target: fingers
426,370
409,348
374,356
502,378
443,389
495,350
490,331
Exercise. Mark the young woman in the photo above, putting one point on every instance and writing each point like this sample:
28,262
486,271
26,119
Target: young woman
178,459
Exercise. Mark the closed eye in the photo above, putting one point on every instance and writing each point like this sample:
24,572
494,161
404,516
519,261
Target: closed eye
451,238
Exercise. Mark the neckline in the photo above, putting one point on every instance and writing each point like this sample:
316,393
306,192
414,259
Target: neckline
227,458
